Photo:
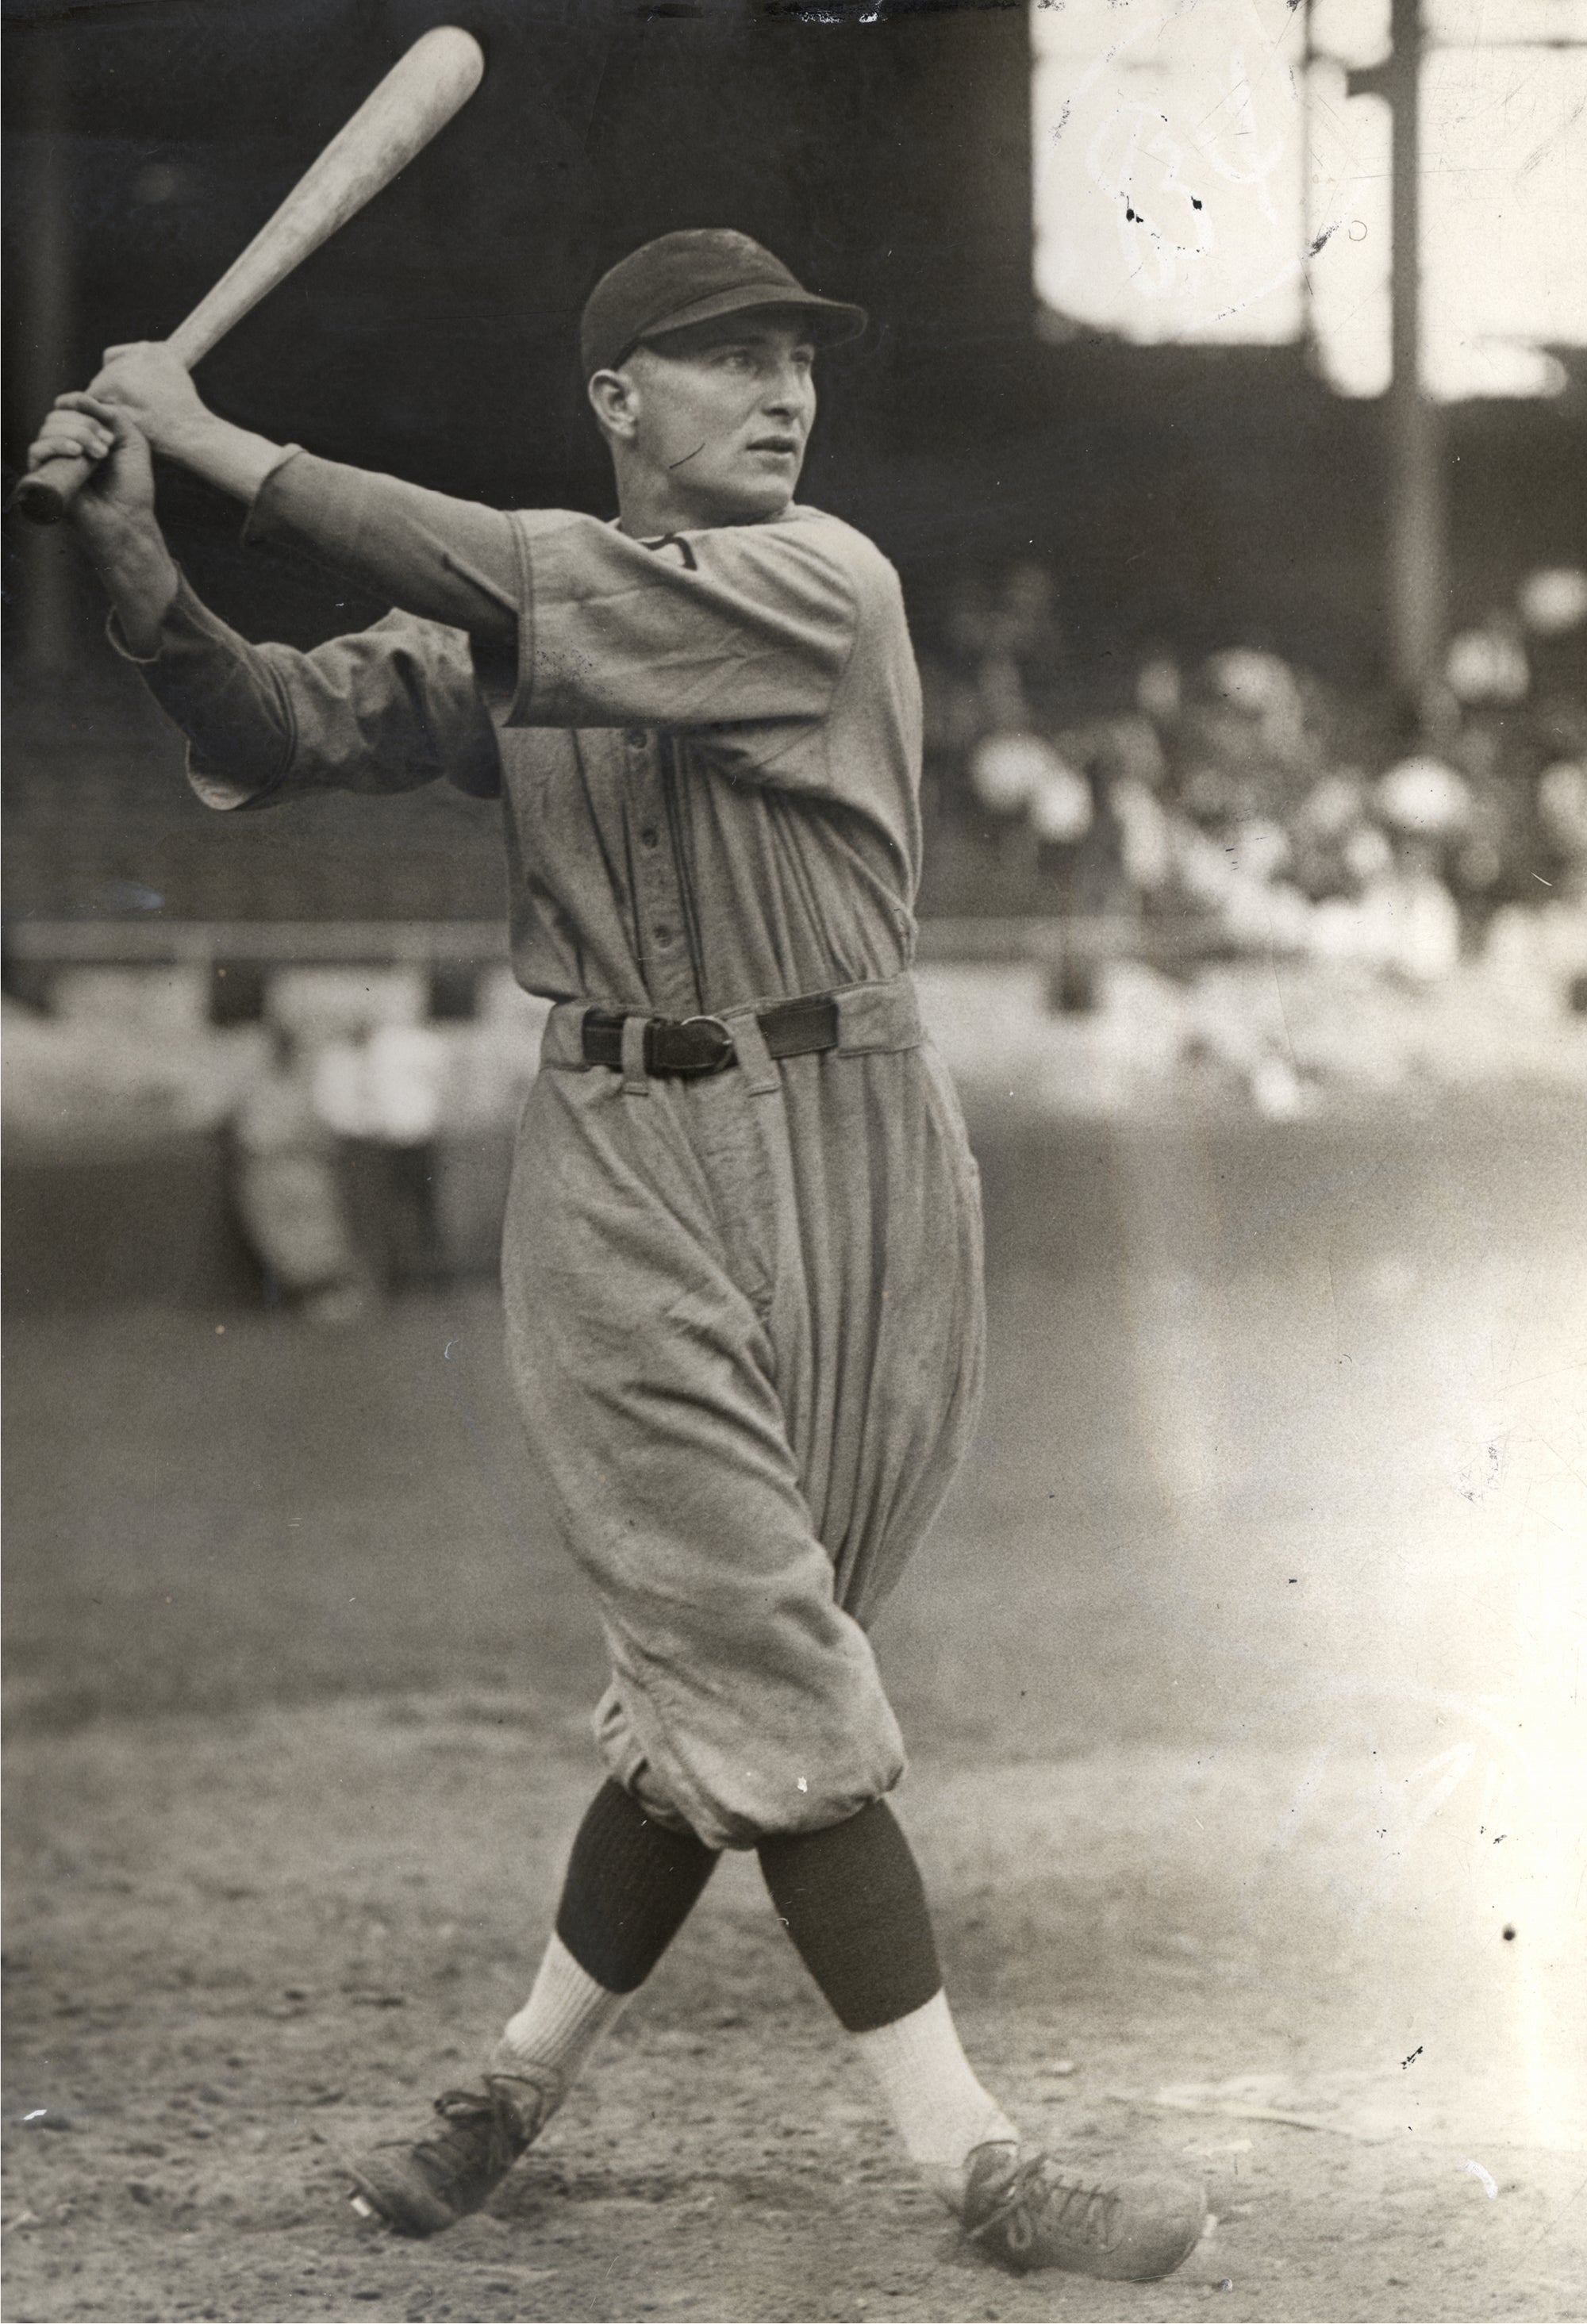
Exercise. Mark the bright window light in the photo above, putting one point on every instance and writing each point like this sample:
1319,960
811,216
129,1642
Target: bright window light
1504,227
1349,231
1198,178
1168,145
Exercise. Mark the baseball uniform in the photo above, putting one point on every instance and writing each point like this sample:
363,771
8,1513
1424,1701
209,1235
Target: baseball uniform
742,1257
744,1309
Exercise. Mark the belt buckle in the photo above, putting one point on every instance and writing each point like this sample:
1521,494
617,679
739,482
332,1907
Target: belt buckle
722,1049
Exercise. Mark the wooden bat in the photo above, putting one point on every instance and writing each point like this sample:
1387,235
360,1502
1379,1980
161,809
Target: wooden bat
397,120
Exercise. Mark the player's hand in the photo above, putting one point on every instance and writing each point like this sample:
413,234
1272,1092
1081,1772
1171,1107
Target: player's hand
121,486
145,379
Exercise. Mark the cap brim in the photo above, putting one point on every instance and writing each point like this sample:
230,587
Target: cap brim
832,323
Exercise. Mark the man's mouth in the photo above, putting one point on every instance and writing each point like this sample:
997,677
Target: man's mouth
788,444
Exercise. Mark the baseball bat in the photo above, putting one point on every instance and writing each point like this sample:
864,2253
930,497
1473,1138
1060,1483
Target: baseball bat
396,120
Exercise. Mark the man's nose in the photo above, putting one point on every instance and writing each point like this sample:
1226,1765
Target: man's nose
788,394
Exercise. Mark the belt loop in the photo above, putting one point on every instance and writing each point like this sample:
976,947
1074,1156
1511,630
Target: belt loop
635,1080
749,1043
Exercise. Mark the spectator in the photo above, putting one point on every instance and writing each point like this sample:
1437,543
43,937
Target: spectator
1488,665
285,1184
380,1089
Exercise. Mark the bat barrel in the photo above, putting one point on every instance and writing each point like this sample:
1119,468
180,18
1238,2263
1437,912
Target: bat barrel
419,95
396,120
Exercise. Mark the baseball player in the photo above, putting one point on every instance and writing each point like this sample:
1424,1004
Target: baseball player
742,1259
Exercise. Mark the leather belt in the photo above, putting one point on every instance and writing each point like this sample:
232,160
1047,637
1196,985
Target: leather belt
704,1045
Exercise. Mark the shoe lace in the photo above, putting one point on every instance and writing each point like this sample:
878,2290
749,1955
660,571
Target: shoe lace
1034,2187
463,2114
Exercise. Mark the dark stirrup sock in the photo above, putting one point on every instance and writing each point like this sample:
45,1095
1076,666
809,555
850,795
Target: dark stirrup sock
851,1897
631,1884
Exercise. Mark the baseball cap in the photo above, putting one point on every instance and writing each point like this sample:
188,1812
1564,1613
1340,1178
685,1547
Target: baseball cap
692,277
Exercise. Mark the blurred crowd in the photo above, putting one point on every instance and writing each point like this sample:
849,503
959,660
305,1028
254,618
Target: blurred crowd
1159,843
1241,804
364,1116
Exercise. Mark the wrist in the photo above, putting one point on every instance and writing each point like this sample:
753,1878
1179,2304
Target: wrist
192,440
232,458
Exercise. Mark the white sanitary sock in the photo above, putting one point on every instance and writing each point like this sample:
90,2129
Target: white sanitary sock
939,2107
559,2024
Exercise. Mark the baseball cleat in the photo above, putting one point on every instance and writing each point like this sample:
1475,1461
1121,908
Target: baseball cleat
418,2186
1038,2213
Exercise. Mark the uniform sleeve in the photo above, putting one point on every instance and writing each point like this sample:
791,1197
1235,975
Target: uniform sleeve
389,709
740,624
573,623
443,560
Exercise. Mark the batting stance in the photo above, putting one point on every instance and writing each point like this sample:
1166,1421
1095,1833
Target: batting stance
742,1261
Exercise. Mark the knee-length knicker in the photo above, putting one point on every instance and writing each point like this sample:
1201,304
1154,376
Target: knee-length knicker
744,1310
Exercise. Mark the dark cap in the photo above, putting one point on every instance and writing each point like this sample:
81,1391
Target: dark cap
692,277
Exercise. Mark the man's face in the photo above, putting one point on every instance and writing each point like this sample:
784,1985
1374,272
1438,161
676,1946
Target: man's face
721,415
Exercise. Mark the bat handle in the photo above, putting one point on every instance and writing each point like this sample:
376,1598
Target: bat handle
47,491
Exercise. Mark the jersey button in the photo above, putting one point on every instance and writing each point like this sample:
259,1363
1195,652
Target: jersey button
636,738
663,935
650,836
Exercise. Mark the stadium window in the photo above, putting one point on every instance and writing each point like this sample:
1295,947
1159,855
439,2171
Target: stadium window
1211,175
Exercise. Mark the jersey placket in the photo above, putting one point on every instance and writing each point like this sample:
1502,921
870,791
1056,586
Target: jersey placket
661,917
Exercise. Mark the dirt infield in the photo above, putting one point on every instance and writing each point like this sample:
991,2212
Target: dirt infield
212,2015
1241,1676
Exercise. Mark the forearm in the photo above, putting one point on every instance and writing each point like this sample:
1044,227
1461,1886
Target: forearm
446,560
233,459
139,575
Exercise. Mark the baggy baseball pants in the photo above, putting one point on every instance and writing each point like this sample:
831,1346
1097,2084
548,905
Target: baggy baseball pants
746,1332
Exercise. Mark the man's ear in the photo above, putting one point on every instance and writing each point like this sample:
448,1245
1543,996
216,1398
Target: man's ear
614,397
